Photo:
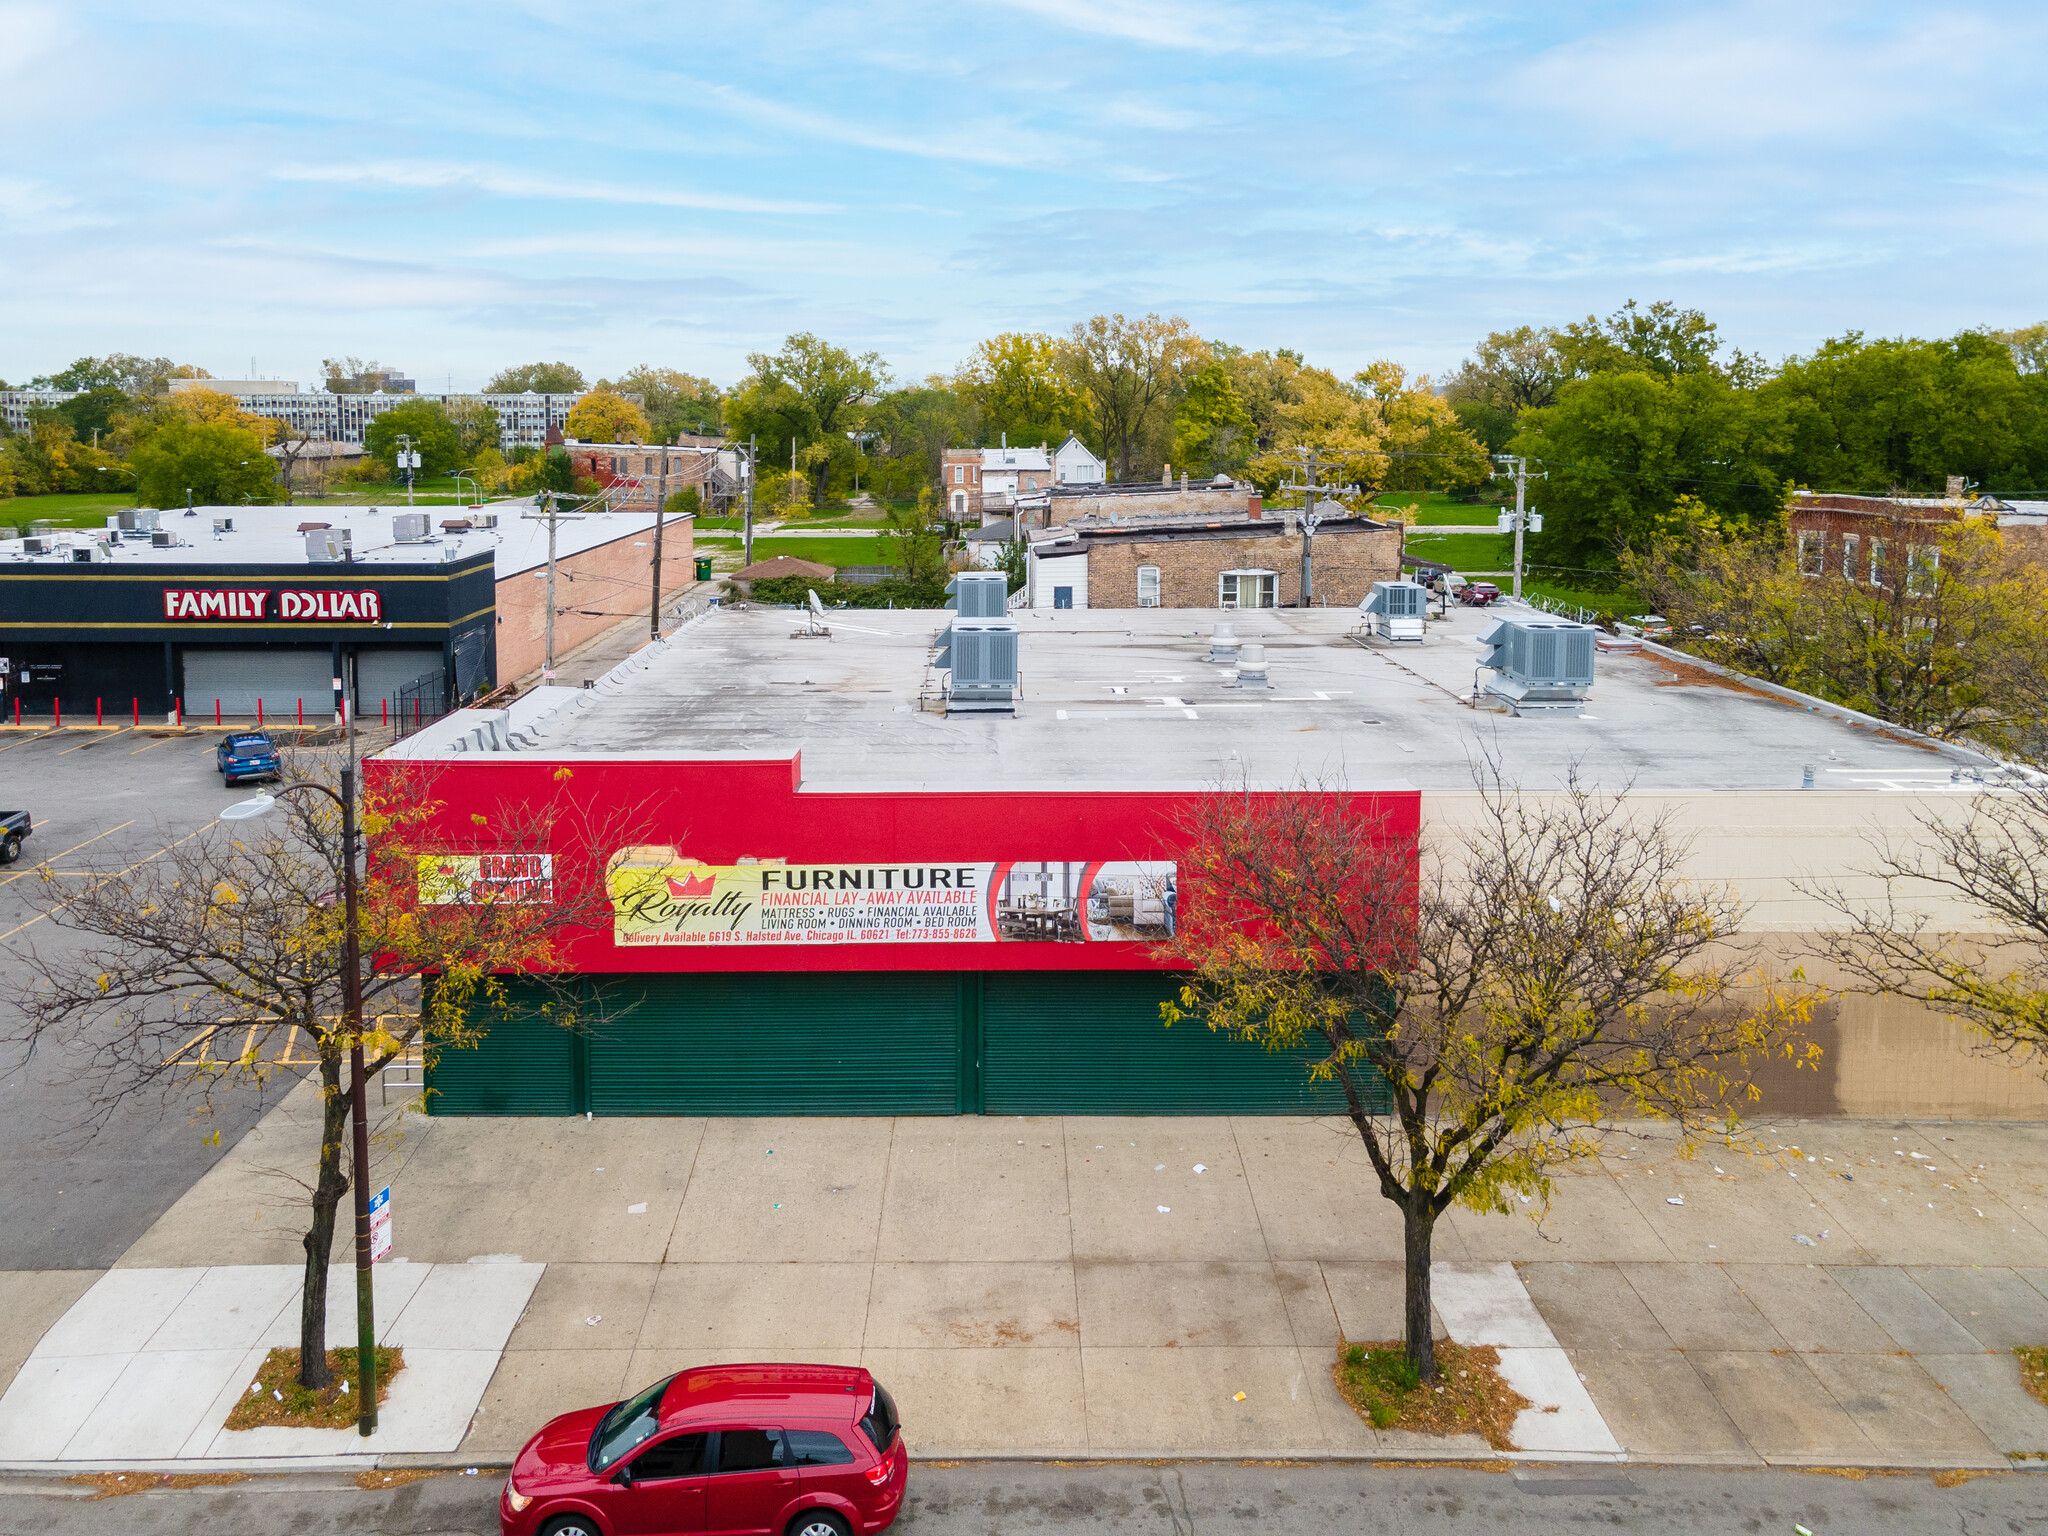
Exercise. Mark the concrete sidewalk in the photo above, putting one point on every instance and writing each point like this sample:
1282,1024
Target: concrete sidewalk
1105,1287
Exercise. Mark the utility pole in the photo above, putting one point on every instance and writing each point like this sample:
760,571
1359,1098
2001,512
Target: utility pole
407,461
1311,462
1517,468
747,472
660,516
550,507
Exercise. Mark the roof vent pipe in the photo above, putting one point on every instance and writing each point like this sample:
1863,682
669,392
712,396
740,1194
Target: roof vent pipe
1223,644
1251,666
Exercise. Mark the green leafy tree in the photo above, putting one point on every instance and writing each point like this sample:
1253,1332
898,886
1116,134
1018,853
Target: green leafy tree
1212,430
220,462
1129,373
123,371
541,378
98,410
1510,372
434,437
1015,383
477,428
676,404
915,427
809,393
1621,448
1661,339
916,537
1886,415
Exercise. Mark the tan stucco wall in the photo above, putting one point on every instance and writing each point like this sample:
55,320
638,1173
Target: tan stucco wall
1879,1055
615,579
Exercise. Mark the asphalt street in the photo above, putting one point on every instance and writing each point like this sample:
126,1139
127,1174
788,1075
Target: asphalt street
1182,1499
102,802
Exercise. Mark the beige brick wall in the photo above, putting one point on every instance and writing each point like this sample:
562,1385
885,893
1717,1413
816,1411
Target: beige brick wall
1347,564
596,588
1195,501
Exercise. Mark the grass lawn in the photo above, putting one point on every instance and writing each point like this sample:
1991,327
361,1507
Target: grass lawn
88,509
832,552
1436,509
1621,602
1465,551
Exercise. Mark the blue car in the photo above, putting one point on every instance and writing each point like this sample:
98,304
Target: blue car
246,755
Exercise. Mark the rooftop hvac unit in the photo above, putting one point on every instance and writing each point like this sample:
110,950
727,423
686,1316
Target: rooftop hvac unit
981,654
979,594
223,525
160,538
409,527
483,519
328,546
1396,609
1538,662
138,520
32,545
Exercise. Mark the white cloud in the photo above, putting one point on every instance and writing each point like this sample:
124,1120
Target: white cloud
1220,29
981,141
418,174
1727,75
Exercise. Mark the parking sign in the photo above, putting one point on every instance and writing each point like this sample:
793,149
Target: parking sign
380,1223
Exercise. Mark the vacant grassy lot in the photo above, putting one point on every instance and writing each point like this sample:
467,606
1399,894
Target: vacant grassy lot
1436,509
87,510
1465,551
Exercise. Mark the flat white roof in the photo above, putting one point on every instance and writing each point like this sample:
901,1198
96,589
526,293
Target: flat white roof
270,536
1127,697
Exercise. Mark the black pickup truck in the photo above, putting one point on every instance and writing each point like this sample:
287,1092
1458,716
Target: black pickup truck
14,826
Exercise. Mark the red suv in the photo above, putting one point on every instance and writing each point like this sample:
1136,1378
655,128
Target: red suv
727,1450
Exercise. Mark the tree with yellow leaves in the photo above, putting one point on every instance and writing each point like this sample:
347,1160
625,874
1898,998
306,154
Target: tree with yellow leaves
603,417
218,965
1485,997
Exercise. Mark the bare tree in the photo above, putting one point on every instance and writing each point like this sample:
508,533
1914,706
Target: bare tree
1486,998
206,965
291,444
1127,371
1986,853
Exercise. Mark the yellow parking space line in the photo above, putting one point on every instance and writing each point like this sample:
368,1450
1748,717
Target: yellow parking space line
72,849
117,730
17,928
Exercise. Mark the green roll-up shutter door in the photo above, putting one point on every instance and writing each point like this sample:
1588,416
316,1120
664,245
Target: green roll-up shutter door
524,1065
794,1043
1090,1043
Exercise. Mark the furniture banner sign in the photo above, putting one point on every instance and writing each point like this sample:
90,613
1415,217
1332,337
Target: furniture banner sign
660,897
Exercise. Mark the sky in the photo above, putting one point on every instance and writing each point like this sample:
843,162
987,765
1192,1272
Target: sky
450,188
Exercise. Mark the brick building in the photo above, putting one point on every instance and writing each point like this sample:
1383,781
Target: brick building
1882,539
1241,562
637,470
982,483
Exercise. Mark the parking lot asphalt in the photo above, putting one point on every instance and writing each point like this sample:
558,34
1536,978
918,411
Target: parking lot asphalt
103,801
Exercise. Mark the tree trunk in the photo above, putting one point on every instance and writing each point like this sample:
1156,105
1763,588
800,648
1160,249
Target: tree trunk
328,1189
1418,1229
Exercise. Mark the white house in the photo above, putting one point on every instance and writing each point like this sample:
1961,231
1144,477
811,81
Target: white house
1073,464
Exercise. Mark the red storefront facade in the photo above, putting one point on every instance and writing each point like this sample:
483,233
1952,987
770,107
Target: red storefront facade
880,949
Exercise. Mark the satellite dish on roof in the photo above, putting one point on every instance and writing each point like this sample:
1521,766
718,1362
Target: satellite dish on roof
816,607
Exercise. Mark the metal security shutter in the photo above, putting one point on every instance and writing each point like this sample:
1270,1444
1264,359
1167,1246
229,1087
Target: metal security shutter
792,1043
380,674
1090,1043
281,679
522,1066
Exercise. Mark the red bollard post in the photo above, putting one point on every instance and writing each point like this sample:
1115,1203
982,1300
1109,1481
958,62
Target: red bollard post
178,708
138,711
302,711
384,712
259,711
58,706
216,711
99,714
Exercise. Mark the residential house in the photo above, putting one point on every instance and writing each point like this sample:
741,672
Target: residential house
984,483
637,472
1073,464
1244,561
